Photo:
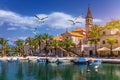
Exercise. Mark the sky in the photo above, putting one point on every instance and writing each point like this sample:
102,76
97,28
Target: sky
17,19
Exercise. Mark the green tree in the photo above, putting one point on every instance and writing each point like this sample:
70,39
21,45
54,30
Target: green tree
95,36
54,44
113,24
39,39
47,38
67,44
111,42
19,44
3,42
8,49
30,42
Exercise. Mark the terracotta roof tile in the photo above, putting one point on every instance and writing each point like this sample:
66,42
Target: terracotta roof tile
58,38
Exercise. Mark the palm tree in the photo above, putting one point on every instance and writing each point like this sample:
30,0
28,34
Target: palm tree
19,44
3,42
46,38
35,45
111,42
67,43
30,41
14,49
54,44
39,39
95,36
8,49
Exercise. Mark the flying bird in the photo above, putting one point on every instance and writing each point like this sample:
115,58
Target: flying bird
74,21
35,31
42,20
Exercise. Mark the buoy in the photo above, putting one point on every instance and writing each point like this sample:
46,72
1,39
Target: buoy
96,67
96,70
88,70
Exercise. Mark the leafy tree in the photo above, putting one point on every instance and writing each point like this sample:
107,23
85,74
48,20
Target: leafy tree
46,38
3,42
19,44
113,24
54,44
95,35
111,42
8,49
67,44
30,42
39,39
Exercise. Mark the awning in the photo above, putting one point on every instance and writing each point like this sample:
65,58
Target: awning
103,49
116,49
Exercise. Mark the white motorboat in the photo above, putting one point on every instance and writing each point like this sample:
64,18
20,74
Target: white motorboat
42,60
52,60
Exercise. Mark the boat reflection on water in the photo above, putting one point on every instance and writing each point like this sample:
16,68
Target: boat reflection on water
38,71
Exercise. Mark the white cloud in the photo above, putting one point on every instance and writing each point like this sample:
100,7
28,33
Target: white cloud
23,38
13,39
11,28
24,28
14,19
97,20
57,20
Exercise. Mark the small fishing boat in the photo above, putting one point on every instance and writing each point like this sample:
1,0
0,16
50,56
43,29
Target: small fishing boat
42,60
32,60
12,59
95,62
80,61
64,60
52,60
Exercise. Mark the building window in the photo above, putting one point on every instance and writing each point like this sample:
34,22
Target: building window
116,41
67,37
103,32
103,42
117,32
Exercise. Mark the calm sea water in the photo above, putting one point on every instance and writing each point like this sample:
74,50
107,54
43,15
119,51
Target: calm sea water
37,71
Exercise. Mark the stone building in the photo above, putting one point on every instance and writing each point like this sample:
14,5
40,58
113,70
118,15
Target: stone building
79,35
107,33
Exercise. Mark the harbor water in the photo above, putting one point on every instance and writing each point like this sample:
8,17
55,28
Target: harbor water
40,71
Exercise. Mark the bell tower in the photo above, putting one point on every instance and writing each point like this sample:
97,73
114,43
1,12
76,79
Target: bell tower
89,22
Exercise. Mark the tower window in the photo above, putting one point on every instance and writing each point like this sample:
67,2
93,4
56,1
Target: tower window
103,42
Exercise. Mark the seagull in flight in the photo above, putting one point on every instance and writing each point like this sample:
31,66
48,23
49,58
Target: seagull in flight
35,31
42,20
74,21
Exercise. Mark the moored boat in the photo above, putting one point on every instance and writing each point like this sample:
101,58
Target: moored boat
52,60
64,60
80,61
95,62
42,60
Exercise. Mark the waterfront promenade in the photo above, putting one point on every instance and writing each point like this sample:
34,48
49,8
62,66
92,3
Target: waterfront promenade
104,60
